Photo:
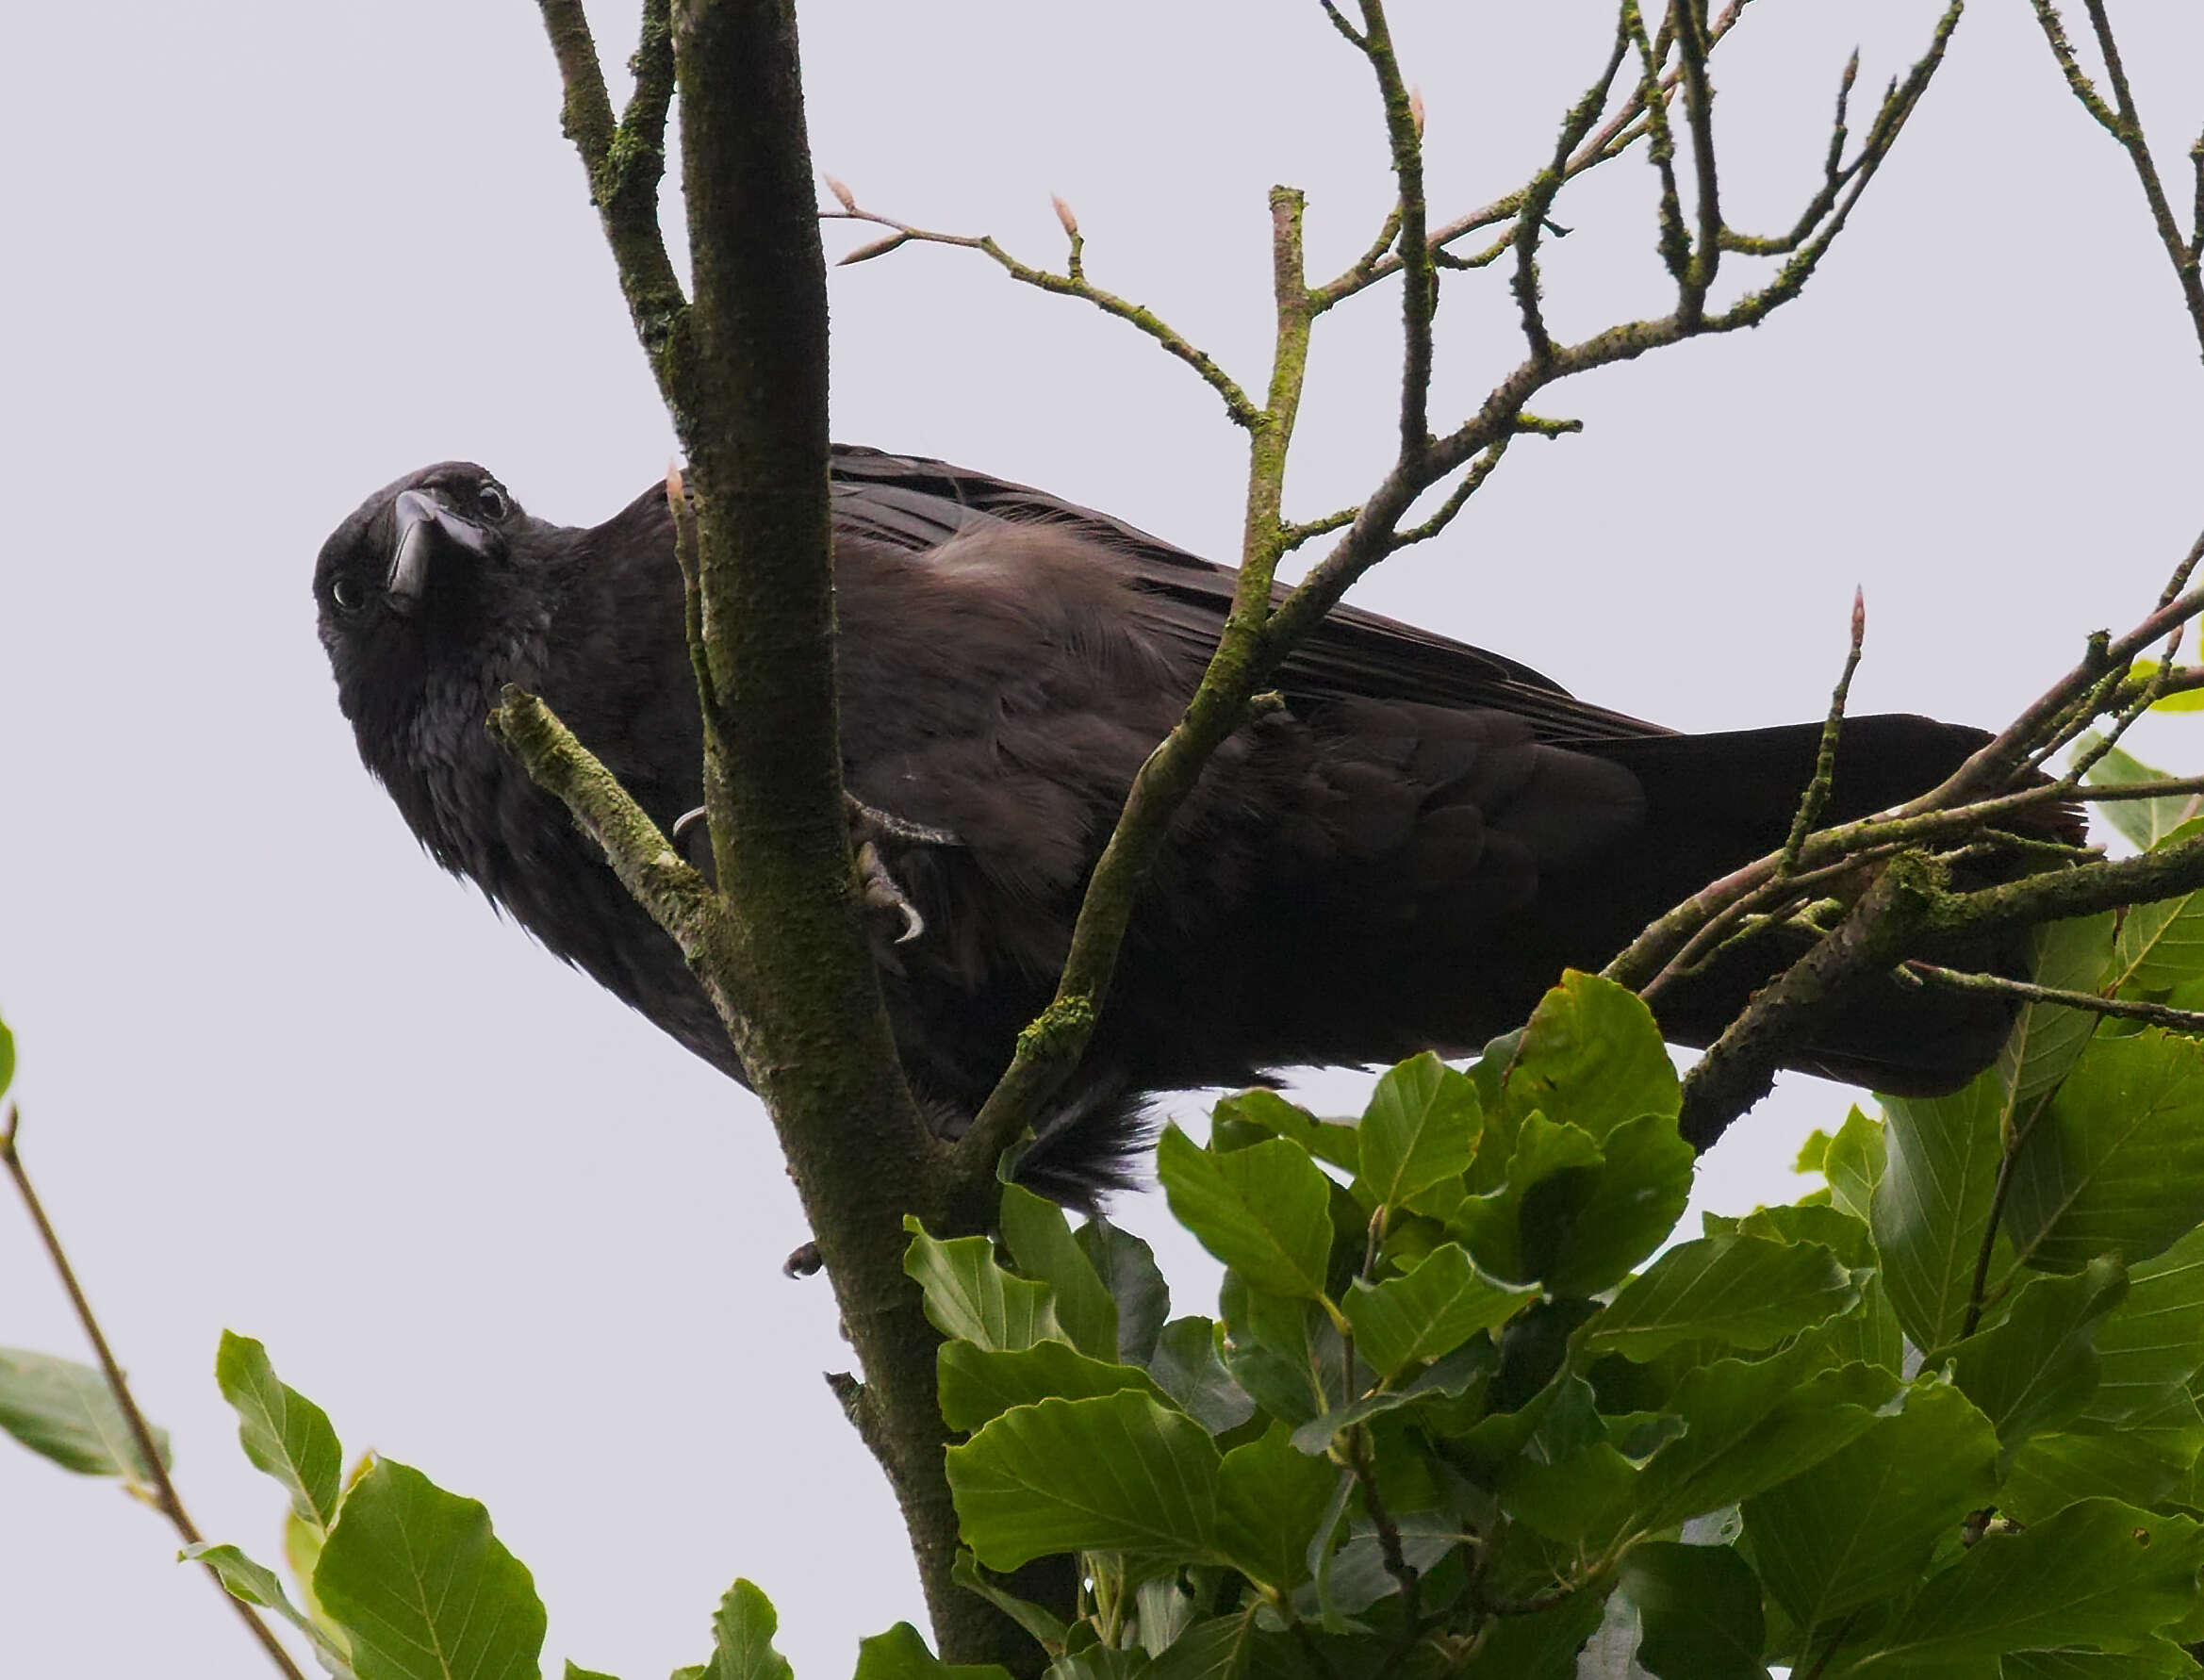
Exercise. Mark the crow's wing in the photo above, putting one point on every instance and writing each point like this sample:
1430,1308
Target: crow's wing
916,504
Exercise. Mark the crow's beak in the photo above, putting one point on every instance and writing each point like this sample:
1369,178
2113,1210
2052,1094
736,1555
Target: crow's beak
425,527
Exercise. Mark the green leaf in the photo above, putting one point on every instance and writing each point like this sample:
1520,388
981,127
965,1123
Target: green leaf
2158,1660
1624,1212
285,1435
302,1549
1508,1240
2099,1574
1592,1058
1699,1607
1749,1291
1041,1624
2142,1463
1270,1500
6,1058
1933,1204
977,1383
1863,1524
422,1587
1431,1312
2116,1163
742,1639
2047,1038
2144,822
574,1670
902,1654
1416,1131
1188,1367
1127,1269
2160,944
1264,1211
1747,1426
1538,1647
1436,1389
2183,700
1854,1164
2153,1342
65,1411
1334,1141
1222,1648
1041,1242
1115,1473
255,1584
967,1294
2038,1368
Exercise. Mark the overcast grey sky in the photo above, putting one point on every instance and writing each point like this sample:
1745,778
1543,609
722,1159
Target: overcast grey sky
279,1074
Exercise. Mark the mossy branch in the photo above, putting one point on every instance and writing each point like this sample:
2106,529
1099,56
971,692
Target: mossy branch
2120,118
776,944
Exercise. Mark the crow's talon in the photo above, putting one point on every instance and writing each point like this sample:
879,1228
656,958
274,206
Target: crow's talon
881,892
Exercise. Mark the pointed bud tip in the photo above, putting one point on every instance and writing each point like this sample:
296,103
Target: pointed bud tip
1416,109
1065,216
841,195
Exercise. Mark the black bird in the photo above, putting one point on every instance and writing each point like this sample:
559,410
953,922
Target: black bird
1407,855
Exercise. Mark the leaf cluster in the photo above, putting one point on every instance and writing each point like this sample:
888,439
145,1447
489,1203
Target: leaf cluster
1468,1407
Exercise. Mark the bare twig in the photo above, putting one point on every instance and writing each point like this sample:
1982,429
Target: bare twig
155,1473
2186,1021
1404,131
2119,119
1816,798
1706,254
1072,284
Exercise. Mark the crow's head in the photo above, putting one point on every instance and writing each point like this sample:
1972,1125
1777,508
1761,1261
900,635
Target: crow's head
426,580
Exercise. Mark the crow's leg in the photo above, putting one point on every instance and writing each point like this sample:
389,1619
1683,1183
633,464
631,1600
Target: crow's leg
870,829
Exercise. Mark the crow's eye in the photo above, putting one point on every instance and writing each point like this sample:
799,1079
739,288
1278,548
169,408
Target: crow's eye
492,500
347,594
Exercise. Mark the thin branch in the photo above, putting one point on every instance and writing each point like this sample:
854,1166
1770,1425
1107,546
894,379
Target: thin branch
166,1499
1389,1534
2120,120
2186,1021
1816,798
1404,130
1739,1066
1071,285
1835,173
1673,242
1996,762
1972,796
1292,537
1471,481
1706,254
678,897
624,161
1537,198
1978,1291
1621,131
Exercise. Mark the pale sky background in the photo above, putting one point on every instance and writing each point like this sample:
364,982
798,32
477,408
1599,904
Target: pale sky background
280,1075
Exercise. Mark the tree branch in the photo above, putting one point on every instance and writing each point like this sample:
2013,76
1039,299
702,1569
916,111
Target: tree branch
743,369
2187,1021
1256,638
1070,284
2120,120
155,1473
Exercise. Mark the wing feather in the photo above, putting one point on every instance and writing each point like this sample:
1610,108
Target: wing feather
918,504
